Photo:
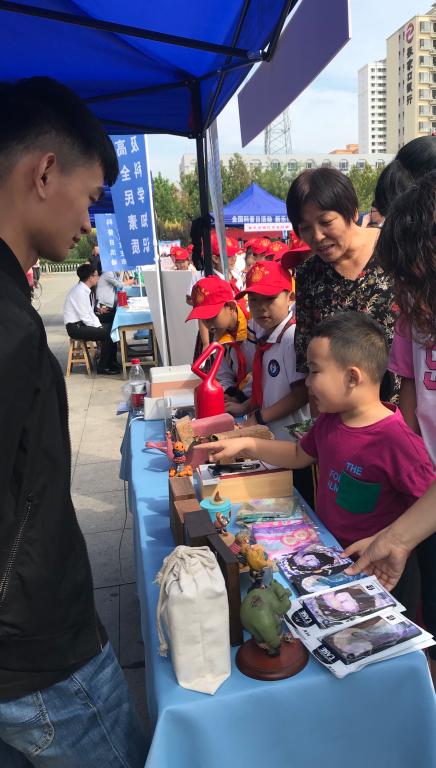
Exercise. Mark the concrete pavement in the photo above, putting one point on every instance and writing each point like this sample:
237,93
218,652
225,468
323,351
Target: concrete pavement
97,491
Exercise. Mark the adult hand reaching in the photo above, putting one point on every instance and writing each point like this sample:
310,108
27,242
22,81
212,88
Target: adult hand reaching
383,556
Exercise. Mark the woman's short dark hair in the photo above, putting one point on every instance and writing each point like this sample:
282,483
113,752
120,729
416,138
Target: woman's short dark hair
328,188
85,271
406,249
41,113
412,161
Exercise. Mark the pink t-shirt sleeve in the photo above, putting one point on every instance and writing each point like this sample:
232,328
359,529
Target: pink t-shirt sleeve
413,472
401,354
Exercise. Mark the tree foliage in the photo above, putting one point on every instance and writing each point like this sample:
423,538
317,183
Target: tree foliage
364,181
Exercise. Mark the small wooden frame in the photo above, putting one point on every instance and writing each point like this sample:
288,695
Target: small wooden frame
229,564
197,527
178,512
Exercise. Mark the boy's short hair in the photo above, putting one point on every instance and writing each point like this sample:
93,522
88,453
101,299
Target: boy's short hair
356,339
41,113
327,188
85,271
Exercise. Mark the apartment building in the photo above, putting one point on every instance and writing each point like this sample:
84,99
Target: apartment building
371,81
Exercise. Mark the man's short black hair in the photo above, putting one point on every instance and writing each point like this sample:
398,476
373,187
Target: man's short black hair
356,339
327,188
85,271
41,113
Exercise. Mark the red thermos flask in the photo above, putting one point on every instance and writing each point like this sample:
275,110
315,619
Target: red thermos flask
209,395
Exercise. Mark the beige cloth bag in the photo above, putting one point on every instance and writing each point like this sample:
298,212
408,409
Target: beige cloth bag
194,609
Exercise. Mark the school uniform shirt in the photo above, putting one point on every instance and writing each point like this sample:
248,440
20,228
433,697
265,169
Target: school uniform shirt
278,373
412,358
368,476
79,306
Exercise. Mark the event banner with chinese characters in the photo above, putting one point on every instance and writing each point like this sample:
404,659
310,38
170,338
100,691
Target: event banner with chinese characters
132,200
111,253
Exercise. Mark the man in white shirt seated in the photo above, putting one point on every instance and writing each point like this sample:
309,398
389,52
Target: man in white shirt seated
82,323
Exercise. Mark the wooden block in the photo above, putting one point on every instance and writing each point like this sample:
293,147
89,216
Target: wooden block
266,484
229,564
178,510
180,488
197,527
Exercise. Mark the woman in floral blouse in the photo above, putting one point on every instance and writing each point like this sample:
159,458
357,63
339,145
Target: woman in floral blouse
343,273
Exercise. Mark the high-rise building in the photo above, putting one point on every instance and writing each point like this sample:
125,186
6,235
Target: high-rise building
411,80
372,107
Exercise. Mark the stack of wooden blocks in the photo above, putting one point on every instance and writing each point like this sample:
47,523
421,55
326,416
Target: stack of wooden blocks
191,525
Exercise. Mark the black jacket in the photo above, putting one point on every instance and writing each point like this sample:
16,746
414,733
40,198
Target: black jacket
48,623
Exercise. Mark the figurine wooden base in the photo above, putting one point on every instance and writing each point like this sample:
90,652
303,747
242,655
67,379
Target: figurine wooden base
255,662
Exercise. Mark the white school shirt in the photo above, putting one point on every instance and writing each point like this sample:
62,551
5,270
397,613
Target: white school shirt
278,373
413,359
78,306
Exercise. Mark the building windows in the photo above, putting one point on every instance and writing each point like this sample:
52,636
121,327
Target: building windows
424,93
275,164
425,44
424,77
424,26
326,164
422,126
425,61
292,165
343,165
310,164
361,165
433,109
424,109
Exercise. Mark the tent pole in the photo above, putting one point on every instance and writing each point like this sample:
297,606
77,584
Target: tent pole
204,207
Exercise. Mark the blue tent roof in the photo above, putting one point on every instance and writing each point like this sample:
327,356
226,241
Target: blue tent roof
254,201
157,67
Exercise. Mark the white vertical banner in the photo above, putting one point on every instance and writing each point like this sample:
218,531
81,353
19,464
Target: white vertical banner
216,192
164,347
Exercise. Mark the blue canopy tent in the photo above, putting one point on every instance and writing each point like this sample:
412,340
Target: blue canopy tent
253,203
164,67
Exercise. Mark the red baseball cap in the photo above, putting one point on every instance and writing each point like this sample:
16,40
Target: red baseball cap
208,297
181,254
267,278
261,245
190,248
231,245
294,256
276,250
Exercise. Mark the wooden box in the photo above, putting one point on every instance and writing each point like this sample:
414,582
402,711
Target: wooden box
264,484
178,512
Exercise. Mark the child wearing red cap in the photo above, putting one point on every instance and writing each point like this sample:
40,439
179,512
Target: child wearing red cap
214,305
181,259
269,288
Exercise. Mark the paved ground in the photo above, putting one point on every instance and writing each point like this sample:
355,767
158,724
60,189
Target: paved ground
98,493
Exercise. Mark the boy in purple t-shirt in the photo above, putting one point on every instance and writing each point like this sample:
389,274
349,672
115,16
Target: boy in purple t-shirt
372,467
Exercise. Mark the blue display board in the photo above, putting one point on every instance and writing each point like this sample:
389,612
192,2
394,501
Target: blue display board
133,202
111,252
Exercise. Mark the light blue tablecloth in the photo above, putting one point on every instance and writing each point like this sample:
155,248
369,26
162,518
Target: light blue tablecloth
123,316
381,717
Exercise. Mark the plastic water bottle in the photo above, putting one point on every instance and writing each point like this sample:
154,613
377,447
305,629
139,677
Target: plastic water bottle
137,387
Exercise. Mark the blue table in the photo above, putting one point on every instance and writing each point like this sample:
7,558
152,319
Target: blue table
381,717
126,321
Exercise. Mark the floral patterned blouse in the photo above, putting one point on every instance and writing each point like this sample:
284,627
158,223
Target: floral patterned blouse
322,292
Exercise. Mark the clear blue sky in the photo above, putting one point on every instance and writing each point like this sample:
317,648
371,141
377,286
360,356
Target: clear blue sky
324,117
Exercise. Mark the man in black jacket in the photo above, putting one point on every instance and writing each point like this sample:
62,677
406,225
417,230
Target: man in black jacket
64,701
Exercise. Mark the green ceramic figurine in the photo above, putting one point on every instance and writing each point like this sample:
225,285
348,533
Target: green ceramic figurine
261,615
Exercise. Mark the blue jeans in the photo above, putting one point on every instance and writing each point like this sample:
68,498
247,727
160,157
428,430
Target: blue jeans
85,721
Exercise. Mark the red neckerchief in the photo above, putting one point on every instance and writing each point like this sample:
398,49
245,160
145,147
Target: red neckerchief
261,347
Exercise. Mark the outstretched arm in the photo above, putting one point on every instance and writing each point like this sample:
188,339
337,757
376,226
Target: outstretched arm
281,453
386,555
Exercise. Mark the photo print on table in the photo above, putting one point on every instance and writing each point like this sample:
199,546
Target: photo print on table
315,568
347,602
370,637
